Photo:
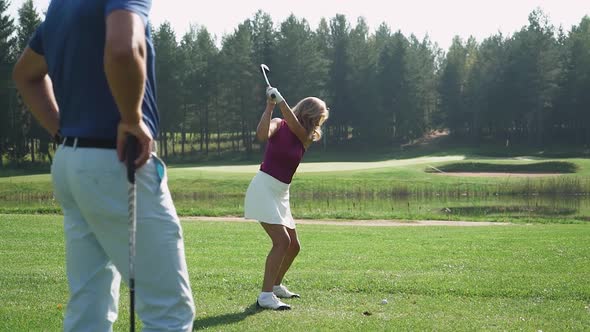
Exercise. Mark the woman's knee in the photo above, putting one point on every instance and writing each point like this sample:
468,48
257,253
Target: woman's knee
295,246
281,242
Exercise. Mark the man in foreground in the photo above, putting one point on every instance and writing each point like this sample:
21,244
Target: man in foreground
88,75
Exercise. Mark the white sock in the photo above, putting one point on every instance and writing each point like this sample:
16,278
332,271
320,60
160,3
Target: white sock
265,295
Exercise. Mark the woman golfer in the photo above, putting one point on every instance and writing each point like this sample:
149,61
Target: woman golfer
267,197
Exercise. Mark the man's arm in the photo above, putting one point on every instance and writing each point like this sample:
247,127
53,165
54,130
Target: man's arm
125,69
34,85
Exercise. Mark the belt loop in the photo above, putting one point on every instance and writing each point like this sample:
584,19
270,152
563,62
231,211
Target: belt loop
75,143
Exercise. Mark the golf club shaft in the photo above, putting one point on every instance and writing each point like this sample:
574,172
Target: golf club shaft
263,69
266,79
131,155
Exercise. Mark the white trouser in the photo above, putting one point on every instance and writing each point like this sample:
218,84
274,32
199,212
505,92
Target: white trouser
91,186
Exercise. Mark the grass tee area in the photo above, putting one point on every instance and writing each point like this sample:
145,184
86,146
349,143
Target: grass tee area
517,277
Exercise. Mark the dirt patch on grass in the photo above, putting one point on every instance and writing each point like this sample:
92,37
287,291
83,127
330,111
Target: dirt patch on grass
370,223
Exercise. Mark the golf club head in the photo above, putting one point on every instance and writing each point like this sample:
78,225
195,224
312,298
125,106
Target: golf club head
264,69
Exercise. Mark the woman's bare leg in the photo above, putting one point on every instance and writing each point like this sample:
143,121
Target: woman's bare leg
281,242
292,252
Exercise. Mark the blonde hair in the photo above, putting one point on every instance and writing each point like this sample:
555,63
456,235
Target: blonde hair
312,113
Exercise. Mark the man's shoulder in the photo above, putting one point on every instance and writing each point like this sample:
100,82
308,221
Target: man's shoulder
139,7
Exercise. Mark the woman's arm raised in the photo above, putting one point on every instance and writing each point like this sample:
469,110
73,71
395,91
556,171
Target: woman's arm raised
267,126
289,116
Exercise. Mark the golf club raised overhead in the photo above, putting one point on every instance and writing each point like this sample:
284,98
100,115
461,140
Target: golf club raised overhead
264,69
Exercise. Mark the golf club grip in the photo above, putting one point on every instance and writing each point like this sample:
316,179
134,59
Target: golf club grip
131,152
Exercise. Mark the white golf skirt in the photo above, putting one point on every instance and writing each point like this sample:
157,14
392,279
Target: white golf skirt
267,200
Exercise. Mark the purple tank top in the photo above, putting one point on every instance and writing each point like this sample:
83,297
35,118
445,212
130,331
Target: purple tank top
283,154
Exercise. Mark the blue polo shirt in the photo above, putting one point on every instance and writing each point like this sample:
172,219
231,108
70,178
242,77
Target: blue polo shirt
72,40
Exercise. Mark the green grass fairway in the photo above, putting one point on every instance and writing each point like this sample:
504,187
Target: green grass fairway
381,189
506,278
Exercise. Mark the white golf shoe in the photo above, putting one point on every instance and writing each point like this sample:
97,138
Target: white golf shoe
271,302
282,292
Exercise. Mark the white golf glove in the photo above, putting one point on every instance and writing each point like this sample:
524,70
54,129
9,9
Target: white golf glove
270,92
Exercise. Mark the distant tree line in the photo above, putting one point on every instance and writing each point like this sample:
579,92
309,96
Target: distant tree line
383,88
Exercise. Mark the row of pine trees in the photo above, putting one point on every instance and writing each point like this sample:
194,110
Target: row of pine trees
383,88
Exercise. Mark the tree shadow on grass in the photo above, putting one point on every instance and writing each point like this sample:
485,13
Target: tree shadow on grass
559,167
518,209
225,319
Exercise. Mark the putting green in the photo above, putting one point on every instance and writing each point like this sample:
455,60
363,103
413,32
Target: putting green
333,166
